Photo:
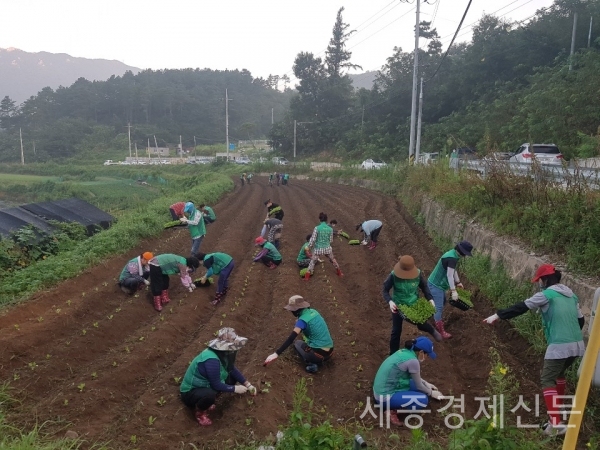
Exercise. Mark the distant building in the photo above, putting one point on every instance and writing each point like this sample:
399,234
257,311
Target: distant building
159,151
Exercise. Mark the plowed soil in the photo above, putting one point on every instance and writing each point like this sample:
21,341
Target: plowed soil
86,354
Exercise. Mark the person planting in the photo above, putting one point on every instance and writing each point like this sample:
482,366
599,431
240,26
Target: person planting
135,274
317,345
320,244
161,266
213,372
398,383
304,255
371,230
208,214
268,255
273,210
405,281
444,277
562,321
273,229
217,264
176,210
196,225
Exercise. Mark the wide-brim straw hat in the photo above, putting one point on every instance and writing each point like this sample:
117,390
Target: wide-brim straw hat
405,268
227,340
296,302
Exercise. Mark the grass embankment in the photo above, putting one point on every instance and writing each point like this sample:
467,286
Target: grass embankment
142,220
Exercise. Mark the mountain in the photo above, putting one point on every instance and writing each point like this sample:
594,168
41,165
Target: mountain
23,74
363,80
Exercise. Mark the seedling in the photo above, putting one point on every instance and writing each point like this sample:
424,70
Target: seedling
221,323
342,313
65,402
141,338
16,376
16,326
81,387
153,328
40,319
250,402
268,384
48,356
105,284
109,317
264,391
127,349
151,420
171,310
352,343
355,354
117,310
96,289
161,401
95,324
359,368
114,364
83,294
162,318
136,296
68,302
32,365
358,385
232,309
68,343
177,380
223,315
133,439
237,303
248,421
348,332
94,375
84,332
347,321
58,310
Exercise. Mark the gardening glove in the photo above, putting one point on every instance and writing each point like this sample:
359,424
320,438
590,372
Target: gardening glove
393,306
364,242
454,294
251,389
203,279
272,357
437,395
239,389
147,282
183,220
460,285
429,385
432,303
492,319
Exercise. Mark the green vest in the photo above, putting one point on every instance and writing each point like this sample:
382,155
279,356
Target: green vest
389,379
324,233
439,276
193,379
560,319
125,272
272,252
220,260
169,263
302,254
200,228
211,213
316,332
406,292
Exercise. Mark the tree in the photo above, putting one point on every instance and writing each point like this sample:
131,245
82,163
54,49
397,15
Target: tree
7,110
337,57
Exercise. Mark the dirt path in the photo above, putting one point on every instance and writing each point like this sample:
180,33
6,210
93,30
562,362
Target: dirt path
86,354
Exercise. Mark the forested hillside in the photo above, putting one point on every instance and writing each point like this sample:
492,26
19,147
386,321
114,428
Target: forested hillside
511,84
90,118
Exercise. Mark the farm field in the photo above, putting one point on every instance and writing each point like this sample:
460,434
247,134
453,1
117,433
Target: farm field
85,353
18,178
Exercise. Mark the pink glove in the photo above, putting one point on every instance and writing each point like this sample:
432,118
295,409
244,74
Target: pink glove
186,280
262,253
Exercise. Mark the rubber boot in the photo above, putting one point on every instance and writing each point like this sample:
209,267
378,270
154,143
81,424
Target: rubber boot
164,297
394,420
218,298
307,276
372,246
439,325
157,303
437,336
339,272
203,419
272,266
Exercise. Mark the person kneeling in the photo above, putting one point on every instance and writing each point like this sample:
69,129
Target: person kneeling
135,274
398,384
213,372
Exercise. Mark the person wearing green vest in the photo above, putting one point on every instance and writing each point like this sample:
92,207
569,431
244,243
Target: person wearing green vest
286,177
196,225
317,345
444,277
135,274
268,254
217,264
161,266
213,372
405,281
320,244
398,383
563,321
304,255
273,229
208,214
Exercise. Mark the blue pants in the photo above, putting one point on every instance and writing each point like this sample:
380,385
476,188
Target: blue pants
196,244
439,297
224,277
406,400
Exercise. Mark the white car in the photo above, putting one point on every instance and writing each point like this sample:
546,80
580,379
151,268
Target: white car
372,164
543,153
110,162
281,161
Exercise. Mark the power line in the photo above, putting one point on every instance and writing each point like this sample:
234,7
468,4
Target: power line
383,28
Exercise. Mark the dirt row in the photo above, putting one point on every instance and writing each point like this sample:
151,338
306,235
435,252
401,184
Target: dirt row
109,365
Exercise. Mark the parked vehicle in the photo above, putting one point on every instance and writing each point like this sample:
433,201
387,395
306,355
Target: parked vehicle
110,162
280,160
543,153
372,164
497,156
428,158
243,160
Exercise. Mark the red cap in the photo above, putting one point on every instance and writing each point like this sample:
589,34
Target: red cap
543,270
259,240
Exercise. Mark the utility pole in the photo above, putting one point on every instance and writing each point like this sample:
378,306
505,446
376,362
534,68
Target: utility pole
418,149
272,122
413,111
22,154
34,148
294,139
136,153
573,40
227,123
156,147
194,146
362,122
129,133
590,32
180,148
148,150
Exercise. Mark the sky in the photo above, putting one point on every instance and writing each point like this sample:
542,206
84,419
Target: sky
261,36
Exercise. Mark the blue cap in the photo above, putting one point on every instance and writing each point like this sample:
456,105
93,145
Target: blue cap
423,343
189,207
